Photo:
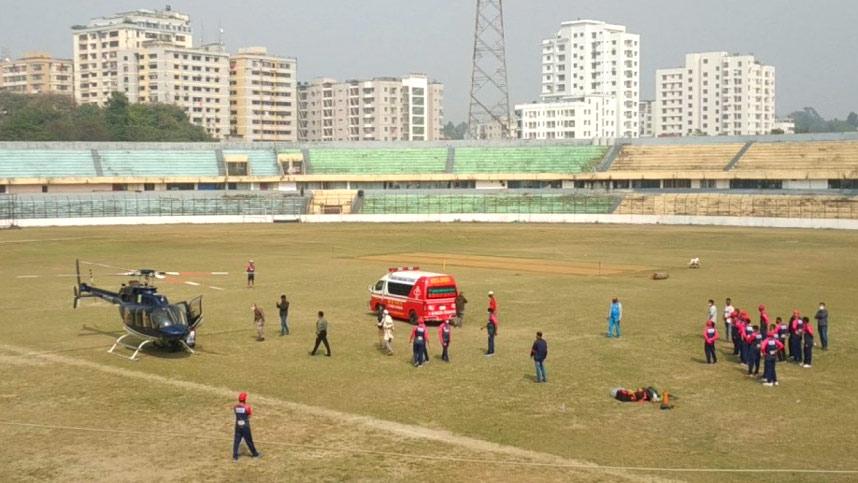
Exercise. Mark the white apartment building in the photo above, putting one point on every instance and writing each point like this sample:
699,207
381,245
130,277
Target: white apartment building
381,109
592,58
195,79
263,96
97,46
645,119
787,126
591,117
716,93
36,73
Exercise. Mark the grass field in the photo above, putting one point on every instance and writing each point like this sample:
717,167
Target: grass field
73,412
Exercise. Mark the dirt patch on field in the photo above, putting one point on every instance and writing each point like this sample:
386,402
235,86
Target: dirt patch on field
507,263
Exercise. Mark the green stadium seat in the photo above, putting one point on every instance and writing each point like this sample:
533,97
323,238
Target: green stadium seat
46,163
543,159
378,161
159,163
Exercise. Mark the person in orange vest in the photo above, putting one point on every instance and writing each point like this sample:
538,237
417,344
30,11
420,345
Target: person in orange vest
710,335
243,412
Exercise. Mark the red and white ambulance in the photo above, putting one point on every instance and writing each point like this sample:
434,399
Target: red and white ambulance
408,293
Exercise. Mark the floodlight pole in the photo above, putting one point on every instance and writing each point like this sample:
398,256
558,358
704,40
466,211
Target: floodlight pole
489,100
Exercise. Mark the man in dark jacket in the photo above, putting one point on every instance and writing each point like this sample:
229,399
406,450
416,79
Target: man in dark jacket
822,324
460,308
539,352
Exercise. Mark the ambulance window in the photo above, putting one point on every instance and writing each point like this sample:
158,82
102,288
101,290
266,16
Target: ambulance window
379,286
402,289
438,292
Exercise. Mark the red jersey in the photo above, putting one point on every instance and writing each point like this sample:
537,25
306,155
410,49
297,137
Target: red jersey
444,334
493,304
420,332
251,268
710,335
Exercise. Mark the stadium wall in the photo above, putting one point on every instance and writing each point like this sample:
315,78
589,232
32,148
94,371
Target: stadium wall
804,223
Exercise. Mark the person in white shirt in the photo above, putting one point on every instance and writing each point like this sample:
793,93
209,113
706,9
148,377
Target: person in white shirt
728,318
713,311
387,326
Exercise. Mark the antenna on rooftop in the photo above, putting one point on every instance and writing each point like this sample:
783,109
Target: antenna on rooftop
5,54
220,33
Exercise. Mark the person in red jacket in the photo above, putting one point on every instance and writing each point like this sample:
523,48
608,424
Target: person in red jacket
710,335
444,334
764,321
739,341
493,302
808,342
796,336
734,333
770,350
783,331
243,411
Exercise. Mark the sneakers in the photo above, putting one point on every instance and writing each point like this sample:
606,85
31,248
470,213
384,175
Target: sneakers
768,384
776,383
257,455
806,366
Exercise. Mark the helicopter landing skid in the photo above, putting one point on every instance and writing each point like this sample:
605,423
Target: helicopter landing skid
135,348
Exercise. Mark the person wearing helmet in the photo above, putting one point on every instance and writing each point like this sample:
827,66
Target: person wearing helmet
242,412
387,331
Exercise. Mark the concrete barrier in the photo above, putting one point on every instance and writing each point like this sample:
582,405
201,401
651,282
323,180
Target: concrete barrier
830,224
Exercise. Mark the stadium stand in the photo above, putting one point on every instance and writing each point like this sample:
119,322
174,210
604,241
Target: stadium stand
150,204
707,157
159,163
375,203
332,202
543,159
46,163
378,161
801,156
753,205
262,162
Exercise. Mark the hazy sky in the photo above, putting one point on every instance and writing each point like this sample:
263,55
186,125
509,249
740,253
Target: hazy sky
813,44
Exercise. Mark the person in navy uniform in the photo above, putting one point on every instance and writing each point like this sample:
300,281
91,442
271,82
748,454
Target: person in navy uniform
444,333
243,411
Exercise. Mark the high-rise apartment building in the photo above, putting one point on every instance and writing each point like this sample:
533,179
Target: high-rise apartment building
645,119
381,109
716,93
263,96
592,58
195,79
36,73
98,46
590,117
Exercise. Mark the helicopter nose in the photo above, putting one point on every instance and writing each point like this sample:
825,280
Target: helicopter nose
175,331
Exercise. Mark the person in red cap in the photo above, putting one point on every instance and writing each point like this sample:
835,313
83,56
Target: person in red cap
419,339
771,349
710,335
243,411
796,333
764,321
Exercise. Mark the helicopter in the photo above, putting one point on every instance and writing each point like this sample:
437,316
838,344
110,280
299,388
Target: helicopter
146,314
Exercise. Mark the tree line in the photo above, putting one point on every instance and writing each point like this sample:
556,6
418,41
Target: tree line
50,117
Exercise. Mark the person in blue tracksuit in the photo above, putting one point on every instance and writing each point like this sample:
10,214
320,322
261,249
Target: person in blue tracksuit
539,352
615,316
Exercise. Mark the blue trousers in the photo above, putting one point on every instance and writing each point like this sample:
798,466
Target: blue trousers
613,326
709,349
419,353
540,370
444,355
823,336
284,324
491,344
753,360
808,353
243,433
769,373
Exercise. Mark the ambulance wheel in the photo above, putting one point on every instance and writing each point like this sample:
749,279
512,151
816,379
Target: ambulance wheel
412,317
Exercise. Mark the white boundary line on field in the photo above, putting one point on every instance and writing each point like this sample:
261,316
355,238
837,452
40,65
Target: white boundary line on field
329,449
406,430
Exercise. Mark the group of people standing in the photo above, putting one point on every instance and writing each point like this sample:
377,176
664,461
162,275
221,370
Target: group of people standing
766,341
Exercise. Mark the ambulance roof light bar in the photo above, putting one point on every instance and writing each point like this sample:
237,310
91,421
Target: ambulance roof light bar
403,269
